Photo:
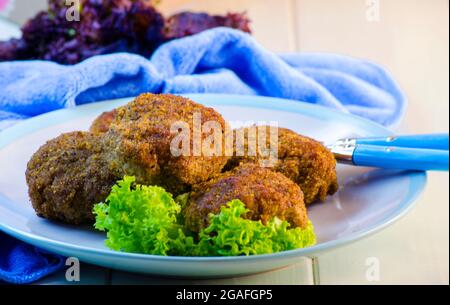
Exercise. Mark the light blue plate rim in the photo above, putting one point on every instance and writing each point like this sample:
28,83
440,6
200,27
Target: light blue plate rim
417,179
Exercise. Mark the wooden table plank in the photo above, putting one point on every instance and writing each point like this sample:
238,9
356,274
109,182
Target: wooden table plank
413,251
8,30
411,40
25,9
272,20
298,274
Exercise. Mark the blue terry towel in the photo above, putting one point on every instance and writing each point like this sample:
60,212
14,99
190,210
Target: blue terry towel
21,263
215,61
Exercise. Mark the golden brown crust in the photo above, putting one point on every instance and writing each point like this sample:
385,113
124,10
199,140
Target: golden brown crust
102,123
304,160
67,176
140,136
265,193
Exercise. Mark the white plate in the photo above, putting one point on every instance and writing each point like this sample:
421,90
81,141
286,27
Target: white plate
368,200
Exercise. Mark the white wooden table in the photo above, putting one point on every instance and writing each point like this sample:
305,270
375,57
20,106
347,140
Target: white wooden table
410,38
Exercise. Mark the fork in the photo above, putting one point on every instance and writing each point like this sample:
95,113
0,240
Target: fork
410,152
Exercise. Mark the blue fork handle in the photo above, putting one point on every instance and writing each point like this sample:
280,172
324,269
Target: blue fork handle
400,158
427,141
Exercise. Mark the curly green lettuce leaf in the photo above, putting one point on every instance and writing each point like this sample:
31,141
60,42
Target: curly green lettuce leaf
146,219
141,219
229,234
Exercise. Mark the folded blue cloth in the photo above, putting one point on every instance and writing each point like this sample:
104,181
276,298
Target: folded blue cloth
21,263
215,61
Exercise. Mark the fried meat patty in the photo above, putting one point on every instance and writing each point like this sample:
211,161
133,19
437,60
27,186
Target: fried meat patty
67,176
264,192
305,161
139,142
